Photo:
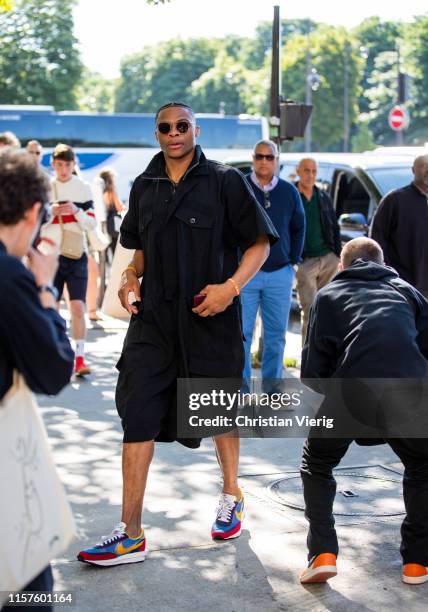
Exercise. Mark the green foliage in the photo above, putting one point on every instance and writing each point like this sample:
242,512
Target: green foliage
96,93
162,73
327,49
382,95
260,49
375,37
378,45
39,61
362,140
40,64
231,88
418,52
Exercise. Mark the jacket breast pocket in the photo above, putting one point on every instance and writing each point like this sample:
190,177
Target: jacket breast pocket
194,219
195,243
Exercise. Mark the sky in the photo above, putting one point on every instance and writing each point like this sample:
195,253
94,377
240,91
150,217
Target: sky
110,29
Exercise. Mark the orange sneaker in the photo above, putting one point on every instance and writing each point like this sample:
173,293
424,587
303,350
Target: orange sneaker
81,368
413,573
320,569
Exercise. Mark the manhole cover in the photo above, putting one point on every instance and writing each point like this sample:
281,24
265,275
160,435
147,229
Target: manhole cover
359,493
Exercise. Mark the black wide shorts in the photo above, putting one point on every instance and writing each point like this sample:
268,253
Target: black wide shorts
151,362
74,274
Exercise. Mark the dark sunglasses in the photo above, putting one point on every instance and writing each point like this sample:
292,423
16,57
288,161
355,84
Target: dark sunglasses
165,127
260,156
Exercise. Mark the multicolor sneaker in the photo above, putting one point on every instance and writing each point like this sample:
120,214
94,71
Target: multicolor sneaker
116,548
320,569
414,573
230,514
81,368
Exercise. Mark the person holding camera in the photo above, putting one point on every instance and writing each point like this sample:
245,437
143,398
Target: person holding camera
32,333
72,216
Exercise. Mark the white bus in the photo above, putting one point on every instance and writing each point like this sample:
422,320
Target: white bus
124,141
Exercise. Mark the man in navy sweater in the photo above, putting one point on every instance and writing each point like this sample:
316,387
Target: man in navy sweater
270,289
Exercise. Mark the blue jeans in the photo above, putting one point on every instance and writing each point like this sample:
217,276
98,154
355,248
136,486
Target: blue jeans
271,291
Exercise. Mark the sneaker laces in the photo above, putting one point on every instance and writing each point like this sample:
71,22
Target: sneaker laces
118,532
226,505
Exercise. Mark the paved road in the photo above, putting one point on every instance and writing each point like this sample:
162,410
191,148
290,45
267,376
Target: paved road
185,569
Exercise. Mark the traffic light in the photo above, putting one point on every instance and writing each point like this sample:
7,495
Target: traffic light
402,88
294,118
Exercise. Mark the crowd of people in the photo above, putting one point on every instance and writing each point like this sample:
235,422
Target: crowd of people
207,241
77,210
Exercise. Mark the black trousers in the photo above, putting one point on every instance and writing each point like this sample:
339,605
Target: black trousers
321,455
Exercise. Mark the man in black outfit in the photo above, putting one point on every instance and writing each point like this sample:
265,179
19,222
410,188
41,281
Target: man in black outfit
400,226
188,219
366,323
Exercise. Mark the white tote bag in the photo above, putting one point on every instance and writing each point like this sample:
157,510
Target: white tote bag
35,516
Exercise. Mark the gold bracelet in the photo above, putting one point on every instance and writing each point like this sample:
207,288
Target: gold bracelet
130,267
235,285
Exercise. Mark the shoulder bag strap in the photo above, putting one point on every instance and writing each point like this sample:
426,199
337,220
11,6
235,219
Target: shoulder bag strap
55,191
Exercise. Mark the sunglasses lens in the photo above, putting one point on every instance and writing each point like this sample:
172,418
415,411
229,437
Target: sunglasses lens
182,127
260,156
164,128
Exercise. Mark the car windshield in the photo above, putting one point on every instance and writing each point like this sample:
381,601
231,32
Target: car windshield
387,179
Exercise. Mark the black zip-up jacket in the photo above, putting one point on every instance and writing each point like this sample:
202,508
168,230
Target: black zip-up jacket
191,234
329,225
366,323
400,226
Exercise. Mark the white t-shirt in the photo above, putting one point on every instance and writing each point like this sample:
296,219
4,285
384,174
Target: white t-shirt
74,190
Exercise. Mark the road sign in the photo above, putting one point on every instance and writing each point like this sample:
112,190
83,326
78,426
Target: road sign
398,118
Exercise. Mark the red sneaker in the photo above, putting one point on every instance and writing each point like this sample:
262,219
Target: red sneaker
81,368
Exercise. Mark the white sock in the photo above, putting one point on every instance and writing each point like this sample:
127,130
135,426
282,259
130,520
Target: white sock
80,348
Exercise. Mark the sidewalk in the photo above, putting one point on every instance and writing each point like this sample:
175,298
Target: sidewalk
185,569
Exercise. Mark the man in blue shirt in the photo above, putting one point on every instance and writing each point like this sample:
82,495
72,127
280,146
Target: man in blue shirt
270,289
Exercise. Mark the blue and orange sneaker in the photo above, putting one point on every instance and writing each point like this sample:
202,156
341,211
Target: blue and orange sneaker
230,514
116,548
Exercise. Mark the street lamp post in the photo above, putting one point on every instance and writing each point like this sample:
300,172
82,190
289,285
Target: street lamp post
312,84
399,134
346,97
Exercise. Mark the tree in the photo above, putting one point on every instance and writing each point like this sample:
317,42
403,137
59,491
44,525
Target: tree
260,48
375,37
39,62
327,48
95,93
381,95
163,73
221,87
362,140
417,35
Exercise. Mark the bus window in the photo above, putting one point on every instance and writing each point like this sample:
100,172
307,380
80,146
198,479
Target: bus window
129,131
228,133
